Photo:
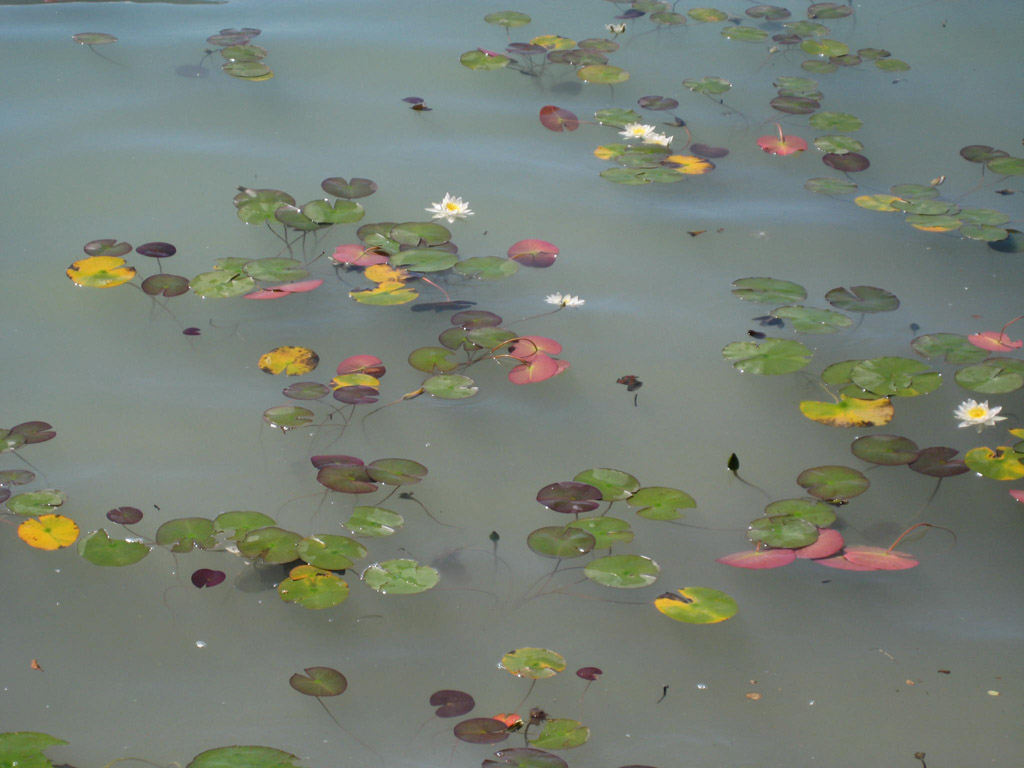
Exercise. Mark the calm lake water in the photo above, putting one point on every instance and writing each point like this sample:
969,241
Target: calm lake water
851,668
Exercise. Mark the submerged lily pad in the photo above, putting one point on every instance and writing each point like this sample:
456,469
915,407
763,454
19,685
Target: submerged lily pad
658,503
560,733
603,74
785,531
813,320
243,757
524,757
613,484
562,542
831,482
374,521
887,450
836,121
319,681
830,186
710,86
954,348
744,34
768,290
606,531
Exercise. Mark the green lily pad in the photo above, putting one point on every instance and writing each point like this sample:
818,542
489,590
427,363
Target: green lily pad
993,377
507,18
374,522
487,267
221,284
837,144
270,544
1004,463
836,121
313,588
563,542
817,513
768,12
15,476
249,70
165,285
784,531
184,534
819,66
604,74
983,232
244,52
559,733
287,417
1012,243
1006,166
827,185
338,212
711,86
983,216
255,206
450,386
329,552
914,191
924,207
813,320
400,577
34,503
824,47
424,260
319,681
433,360
832,482
614,484
524,757
744,34
933,223
707,14
477,59
887,450
93,38
99,549
616,117
938,461
892,65
420,233
489,336
952,347
607,531
658,503
828,11
697,605
807,28
769,358
768,290
863,298
243,757
336,186
532,663
622,571
396,472
669,18
795,105
237,524
873,53
887,375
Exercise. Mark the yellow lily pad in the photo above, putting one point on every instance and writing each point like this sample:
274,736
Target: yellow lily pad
49,532
849,412
293,361
100,272
354,380
688,164
1004,463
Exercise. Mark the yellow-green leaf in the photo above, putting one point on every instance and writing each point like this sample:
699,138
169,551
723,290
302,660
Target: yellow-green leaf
293,361
697,605
48,532
100,272
354,380
1004,463
849,412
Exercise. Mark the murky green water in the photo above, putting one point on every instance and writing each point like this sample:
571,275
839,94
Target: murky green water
852,668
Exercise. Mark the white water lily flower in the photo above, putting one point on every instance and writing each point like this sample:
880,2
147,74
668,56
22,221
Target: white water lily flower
658,138
450,208
974,414
566,300
636,131
616,29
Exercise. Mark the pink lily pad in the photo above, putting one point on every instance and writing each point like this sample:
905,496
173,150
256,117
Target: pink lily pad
1018,495
205,577
829,542
533,253
280,291
786,145
527,346
880,558
368,364
765,558
358,255
538,368
843,564
995,341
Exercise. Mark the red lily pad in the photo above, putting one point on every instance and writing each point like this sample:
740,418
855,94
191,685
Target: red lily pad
359,255
995,341
539,367
205,577
557,119
843,564
829,542
786,145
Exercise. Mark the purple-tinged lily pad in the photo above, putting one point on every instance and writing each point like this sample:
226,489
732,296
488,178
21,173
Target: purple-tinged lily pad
156,250
533,253
451,703
657,103
125,515
481,730
938,461
707,151
106,247
560,542
850,162
569,497
319,681
165,285
357,395
205,577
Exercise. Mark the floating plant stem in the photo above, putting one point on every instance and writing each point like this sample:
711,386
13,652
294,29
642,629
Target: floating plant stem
920,525
407,495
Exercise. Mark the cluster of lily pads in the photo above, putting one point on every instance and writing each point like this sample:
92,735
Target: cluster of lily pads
583,535
318,561
590,56
242,59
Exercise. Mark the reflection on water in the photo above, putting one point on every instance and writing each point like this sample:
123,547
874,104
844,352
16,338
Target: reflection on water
816,663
